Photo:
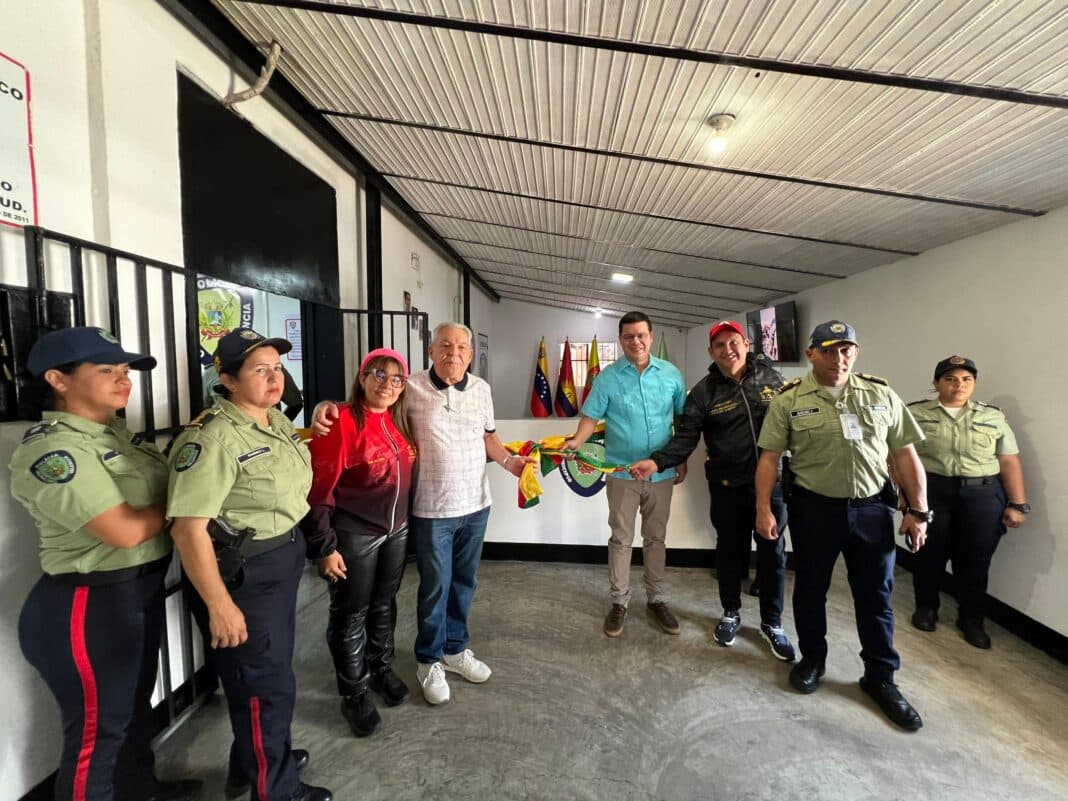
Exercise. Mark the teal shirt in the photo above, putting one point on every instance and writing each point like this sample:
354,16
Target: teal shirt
639,410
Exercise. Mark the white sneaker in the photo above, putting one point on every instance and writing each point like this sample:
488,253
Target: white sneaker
432,679
466,665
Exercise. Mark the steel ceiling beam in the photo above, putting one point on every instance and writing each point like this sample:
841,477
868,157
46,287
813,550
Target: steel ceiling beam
677,53
617,243
680,321
691,165
649,215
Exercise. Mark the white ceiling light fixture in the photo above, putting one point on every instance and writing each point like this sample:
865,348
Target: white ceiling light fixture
622,278
598,313
720,124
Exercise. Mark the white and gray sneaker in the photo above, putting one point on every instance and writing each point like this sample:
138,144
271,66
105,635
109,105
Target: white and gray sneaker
465,663
727,628
432,679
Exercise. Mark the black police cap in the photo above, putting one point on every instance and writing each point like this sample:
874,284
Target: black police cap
82,344
954,363
239,343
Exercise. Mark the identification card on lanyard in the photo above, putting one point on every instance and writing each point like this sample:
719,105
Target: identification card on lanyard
851,426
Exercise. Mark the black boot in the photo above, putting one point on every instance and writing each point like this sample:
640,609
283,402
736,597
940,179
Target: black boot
359,710
305,792
237,784
974,632
391,687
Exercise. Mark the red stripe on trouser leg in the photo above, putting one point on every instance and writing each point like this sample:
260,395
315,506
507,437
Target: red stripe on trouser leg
80,652
257,745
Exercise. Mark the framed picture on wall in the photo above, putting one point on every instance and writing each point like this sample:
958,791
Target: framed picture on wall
415,318
407,300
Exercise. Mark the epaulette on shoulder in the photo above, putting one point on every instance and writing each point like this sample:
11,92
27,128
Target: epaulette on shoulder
203,418
988,405
38,430
875,379
789,385
913,403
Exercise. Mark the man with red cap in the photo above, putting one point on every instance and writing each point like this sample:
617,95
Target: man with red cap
728,407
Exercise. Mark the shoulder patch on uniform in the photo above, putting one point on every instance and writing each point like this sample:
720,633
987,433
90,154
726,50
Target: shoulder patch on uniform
987,405
245,457
875,379
38,430
187,457
203,418
789,385
55,467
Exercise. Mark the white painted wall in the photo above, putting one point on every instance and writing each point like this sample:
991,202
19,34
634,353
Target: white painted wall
999,298
519,327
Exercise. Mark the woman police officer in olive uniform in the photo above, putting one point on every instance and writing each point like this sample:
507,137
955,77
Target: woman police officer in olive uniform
975,488
92,624
242,463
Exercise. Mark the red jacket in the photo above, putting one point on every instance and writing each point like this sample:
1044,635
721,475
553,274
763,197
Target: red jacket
367,473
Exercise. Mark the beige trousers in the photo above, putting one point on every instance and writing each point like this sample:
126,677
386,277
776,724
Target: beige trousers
625,499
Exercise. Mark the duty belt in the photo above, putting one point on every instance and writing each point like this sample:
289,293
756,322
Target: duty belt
871,499
962,481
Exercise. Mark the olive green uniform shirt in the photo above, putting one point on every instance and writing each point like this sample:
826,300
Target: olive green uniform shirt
967,447
226,464
68,470
804,419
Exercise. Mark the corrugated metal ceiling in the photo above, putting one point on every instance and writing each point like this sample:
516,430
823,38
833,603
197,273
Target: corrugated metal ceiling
838,175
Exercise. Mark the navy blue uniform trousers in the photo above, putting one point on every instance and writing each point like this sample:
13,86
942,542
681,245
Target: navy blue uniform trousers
966,530
733,513
257,676
821,528
97,649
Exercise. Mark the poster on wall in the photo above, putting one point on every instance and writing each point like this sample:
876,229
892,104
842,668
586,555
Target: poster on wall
483,356
18,179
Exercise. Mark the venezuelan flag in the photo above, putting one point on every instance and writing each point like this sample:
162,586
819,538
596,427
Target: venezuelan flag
540,396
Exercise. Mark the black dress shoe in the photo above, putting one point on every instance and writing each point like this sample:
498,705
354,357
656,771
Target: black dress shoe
390,686
237,784
359,711
805,677
308,793
754,589
974,633
893,703
925,618
176,790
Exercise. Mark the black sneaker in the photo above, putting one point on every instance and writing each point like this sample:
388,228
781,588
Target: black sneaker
780,644
237,785
893,703
925,618
727,628
974,633
360,712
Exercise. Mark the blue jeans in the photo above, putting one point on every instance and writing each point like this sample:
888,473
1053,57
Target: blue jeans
447,553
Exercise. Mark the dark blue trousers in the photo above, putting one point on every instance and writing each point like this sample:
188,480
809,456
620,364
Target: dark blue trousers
821,528
97,649
733,512
257,675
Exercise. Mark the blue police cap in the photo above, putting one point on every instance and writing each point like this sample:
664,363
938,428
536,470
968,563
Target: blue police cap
954,363
239,343
82,344
832,333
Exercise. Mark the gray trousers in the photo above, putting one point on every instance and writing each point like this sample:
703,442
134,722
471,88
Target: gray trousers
625,499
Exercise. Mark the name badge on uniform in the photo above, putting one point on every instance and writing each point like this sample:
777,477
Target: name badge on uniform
851,426
245,457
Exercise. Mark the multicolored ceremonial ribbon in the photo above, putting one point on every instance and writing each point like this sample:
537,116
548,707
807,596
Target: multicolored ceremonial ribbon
550,454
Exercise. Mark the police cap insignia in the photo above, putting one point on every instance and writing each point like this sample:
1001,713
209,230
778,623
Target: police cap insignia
187,457
249,334
55,467
107,336
956,360
837,328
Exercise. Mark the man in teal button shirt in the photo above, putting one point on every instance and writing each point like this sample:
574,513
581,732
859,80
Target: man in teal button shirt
638,398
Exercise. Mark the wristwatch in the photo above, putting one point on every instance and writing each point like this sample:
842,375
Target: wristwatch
926,515
1022,508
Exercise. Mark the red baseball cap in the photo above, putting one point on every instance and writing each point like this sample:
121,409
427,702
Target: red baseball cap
725,325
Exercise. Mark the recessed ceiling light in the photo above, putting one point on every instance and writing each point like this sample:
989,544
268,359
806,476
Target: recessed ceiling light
622,278
598,313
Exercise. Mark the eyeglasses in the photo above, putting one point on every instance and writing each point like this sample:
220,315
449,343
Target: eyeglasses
395,380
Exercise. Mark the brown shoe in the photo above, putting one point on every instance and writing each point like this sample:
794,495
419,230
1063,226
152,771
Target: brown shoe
663,617
613,623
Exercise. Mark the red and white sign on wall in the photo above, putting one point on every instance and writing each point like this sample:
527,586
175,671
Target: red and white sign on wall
18,181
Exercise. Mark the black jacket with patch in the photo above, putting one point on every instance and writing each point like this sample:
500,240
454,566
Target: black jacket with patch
730,415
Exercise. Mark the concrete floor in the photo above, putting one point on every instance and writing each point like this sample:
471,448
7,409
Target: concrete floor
570,714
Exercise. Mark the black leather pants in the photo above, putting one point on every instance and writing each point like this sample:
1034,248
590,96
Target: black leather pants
363,607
